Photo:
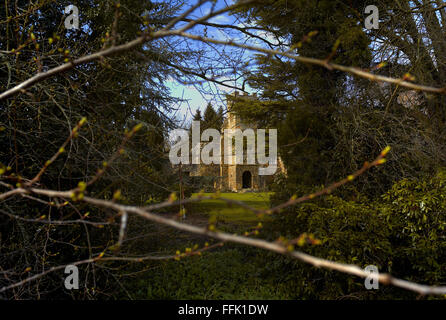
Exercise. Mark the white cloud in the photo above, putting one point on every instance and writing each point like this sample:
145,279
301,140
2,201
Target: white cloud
221,19
268,36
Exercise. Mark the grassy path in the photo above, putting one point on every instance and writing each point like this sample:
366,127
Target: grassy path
226,213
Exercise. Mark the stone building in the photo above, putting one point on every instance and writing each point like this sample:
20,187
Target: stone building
234,177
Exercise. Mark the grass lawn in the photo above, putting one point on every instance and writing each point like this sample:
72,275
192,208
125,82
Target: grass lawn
233,213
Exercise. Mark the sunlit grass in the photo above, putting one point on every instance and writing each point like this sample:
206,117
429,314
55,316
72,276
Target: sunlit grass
233,213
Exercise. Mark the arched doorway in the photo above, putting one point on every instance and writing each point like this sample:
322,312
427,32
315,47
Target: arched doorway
246,180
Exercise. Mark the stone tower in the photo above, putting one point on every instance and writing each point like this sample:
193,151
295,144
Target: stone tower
238,177
234,177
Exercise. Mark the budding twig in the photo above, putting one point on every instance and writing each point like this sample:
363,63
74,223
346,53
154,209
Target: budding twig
61,150
367,165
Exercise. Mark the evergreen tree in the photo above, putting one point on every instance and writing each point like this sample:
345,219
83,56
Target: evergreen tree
197,116
114,94
321,106
210,119
220,116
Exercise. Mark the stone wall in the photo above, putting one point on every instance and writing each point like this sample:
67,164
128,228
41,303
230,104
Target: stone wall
230,177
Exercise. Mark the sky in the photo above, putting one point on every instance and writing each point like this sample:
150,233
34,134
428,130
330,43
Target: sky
195,98
215,93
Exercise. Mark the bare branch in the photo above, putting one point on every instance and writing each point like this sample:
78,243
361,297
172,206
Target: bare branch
180,32
258,243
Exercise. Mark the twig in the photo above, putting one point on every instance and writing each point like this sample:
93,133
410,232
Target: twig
258,243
